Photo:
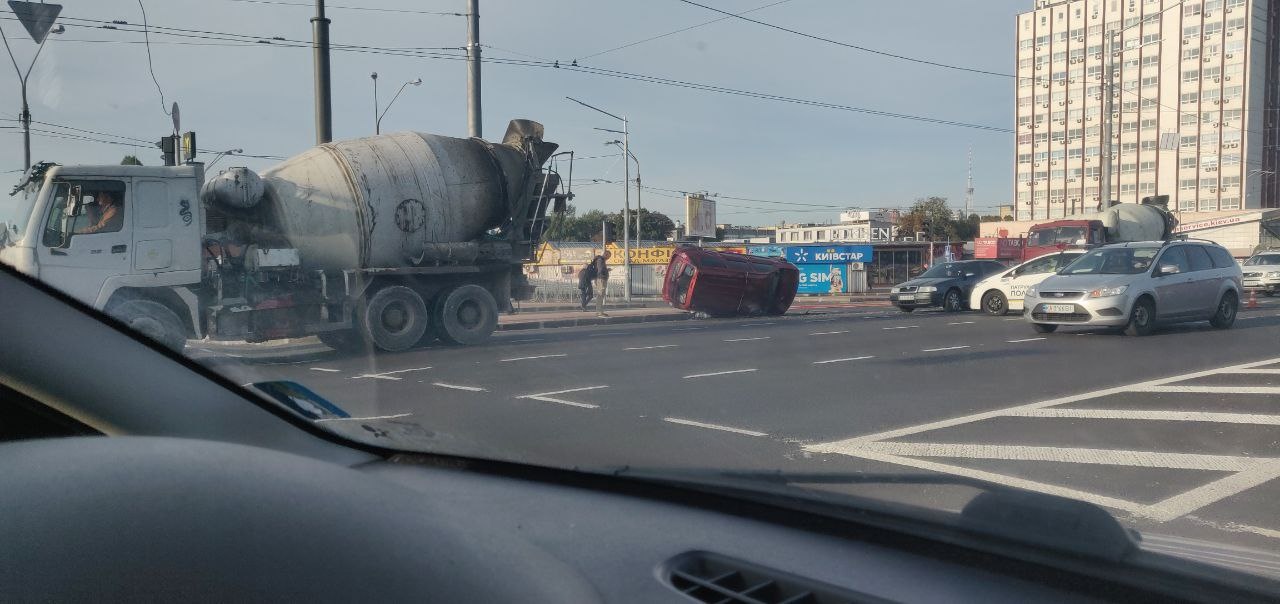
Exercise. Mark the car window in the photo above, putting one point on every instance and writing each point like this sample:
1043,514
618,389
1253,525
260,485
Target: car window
1043,264
1176,256
1113,261
1263,259
1198,257
1221,257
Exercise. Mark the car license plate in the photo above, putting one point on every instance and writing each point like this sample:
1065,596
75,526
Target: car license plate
1059,308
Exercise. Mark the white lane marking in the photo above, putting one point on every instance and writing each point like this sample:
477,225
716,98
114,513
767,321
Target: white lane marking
541,356
829,333
548,397
821,320
1264,470
1212,389
1023,340
961,323
1107,457
1235,527
1014,319
902,327
944,348
749,339
757,324
1256,371
457,387
689,422
688,328
1171,416
361,419
702,375
611,333
386,375
525,340
653,347
843,360
326,369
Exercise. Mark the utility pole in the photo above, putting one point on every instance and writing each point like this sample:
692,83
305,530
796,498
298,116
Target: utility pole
1108,106
474,122
374,77
38,20
626,194
324,102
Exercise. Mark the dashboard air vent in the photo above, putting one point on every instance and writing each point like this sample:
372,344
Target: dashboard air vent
707,577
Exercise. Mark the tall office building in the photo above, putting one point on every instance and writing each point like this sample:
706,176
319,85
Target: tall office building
1196,99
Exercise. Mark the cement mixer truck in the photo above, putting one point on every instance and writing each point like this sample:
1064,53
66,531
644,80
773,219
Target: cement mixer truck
1149,220
383,242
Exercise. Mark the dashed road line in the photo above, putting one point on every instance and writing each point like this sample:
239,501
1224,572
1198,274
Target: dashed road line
702,375
326,370
902,327
829,333
1172,416
1014,319
457,387
862,358
1023,340
386,375
653,347
688,328
527,340
1256,371
757,324
945,348
961,323
610,333
1212,389
541,356
360,419
749,339
547,397
689,422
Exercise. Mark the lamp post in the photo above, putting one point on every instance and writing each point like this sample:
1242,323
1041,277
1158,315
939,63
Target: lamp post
38,20
377,122
626,199
621,147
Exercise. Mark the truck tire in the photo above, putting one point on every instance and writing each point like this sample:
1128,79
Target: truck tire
1225,315
346,340
152,319
394,318
466,315
995,303
1142,319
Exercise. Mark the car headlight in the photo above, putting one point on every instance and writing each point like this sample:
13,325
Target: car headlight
1107,292
1031,292
1275,275
927,289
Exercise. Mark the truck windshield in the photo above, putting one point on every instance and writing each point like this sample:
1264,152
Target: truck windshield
1114,261
15,211
1057,235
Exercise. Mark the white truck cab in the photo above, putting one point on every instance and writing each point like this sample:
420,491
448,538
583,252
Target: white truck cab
106,234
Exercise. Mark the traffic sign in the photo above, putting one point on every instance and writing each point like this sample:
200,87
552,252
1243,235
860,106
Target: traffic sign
36,17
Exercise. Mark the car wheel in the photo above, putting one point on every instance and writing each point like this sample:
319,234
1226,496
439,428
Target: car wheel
1225,316
1142,319
994,303
1044,328
952,302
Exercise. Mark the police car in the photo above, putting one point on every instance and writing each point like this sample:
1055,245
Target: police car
1004,291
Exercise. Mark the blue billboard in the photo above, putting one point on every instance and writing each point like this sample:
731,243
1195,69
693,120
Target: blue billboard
768,251
828,254
823,279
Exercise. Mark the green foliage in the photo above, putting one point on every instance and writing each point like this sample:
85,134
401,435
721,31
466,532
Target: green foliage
131,160
570,226
931,216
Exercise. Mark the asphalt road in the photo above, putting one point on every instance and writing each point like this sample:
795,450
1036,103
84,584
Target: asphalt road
1176,433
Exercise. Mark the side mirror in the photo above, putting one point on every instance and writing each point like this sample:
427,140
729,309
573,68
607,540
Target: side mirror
1168,269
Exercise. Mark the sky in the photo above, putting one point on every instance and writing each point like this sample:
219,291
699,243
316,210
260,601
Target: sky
796,161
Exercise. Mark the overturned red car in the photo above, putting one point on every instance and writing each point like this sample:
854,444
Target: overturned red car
727,284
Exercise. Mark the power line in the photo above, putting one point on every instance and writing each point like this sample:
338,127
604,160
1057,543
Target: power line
147,38
364,8
681,30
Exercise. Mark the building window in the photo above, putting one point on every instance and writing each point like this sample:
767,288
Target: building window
1191,31
1230,181
1231,159
1191,75
1075,153
1190,54
1147,188
1236,23
1229,203
1129,127
1092,171
1187,163
1207,204
1209,183
1128,147
1147,145
1128,189
1187,184
1128,168
1024,139
1211,29
1026,44
1191,9
1149,124
1189,98
1147,166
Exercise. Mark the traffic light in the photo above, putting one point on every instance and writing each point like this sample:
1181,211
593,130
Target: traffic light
188,146
169,150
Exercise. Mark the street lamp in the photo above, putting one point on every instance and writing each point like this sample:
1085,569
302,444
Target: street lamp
624,149
38,20
377,120
626,199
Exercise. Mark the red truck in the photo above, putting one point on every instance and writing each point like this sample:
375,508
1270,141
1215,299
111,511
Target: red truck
1149,220
727,284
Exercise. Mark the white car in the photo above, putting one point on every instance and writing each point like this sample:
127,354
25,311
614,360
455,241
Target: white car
1004,291
1262,273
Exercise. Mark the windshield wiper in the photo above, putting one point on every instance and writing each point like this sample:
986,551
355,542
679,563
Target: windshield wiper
1027,517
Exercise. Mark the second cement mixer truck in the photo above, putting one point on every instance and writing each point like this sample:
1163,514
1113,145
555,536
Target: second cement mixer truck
386,242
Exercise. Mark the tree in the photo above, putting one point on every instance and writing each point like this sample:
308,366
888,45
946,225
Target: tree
569,226
932,217
656,226
131,160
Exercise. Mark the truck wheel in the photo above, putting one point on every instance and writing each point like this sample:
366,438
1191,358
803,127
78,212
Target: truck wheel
1142,318
994,303
346,340
154,320
1225,316
394,318
952,302
467,315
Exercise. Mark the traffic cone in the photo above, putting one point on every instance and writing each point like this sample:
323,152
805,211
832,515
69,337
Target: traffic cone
1253,299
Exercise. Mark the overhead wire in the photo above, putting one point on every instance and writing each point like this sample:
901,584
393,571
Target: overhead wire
150,68
681,30
363,8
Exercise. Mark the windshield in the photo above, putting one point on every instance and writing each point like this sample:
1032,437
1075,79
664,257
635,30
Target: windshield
1112,261
945,270
15,211
453,251
1065,235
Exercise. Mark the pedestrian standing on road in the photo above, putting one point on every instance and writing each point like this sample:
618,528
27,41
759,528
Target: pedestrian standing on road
601,263
585,277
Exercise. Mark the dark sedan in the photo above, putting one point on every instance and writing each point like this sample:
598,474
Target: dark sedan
947,284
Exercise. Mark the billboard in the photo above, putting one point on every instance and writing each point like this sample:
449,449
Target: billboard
768,251
998,248
823,279
828,254
699,216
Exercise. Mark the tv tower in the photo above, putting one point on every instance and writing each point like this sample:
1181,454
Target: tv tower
968,190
